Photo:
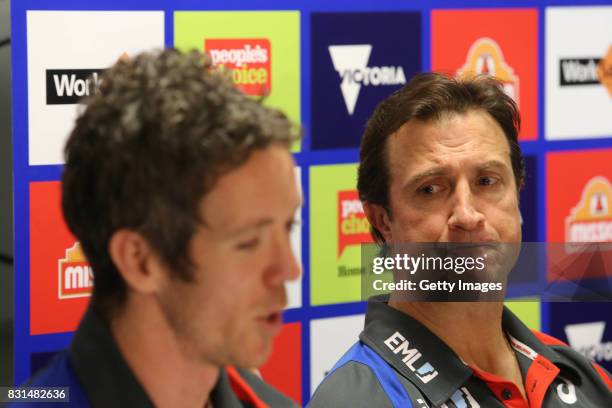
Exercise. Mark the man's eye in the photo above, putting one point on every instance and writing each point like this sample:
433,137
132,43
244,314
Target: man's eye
292,225
248,245
486,181
430,189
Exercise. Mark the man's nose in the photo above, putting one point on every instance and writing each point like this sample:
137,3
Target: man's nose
284,264
465,216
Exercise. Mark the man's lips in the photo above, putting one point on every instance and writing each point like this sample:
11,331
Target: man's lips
272,322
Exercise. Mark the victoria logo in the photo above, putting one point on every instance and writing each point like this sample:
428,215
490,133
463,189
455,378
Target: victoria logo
411,356
586,338
68,86
351,63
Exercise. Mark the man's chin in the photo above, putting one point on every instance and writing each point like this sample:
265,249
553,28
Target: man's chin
253,357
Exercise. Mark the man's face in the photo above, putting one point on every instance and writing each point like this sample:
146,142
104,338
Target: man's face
451,181
242,258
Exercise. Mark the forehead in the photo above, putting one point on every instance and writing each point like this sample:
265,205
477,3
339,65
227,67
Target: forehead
456,139
263,186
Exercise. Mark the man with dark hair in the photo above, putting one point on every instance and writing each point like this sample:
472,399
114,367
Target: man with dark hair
440,163
182,193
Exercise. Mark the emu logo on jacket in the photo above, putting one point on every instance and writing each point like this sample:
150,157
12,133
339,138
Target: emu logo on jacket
398,344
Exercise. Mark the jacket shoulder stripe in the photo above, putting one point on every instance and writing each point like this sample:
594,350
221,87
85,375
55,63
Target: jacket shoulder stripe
387,378
604,375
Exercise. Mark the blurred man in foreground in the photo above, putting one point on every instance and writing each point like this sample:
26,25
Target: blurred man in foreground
440,163
182,193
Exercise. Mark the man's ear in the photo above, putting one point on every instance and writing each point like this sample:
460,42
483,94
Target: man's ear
136,261
378,217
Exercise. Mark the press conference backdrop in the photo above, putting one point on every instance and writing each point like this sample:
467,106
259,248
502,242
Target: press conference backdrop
326,65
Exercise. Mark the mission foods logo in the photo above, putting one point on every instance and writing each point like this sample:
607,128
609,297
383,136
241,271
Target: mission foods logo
75,274
587,71
68,86
591,219
353,226
351,63
485,57
248,60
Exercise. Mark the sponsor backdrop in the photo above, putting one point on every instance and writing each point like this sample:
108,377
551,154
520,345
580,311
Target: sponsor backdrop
326,66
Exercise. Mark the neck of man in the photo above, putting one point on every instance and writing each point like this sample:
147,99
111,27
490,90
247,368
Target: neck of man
456,323
149,346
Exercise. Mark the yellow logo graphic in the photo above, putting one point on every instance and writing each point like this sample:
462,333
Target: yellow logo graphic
591,219
75,274
604,71
485,57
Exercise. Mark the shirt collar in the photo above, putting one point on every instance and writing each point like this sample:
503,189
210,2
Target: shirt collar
106,377
414,351
424,359
517,329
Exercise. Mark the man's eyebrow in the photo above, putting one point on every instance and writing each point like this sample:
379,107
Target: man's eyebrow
491,163
444,170
254,225
250,226
436,171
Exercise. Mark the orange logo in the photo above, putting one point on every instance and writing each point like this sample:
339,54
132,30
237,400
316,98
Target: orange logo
353,226
486,57
604,71
591,219
248,60
75,274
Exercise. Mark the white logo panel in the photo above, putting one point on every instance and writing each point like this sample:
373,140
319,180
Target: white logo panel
351,63
578,104
329,339
294,288
586,338
65,48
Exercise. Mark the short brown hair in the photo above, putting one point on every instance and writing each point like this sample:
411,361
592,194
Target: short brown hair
147,148
426,97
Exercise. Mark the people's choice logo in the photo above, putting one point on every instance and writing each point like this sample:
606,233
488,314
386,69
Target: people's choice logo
248,59
353,226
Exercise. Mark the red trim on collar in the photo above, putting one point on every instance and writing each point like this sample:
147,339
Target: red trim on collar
242,390
604,376
548,340
500,387
540,375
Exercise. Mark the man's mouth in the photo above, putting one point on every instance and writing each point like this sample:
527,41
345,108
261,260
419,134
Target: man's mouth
272,322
